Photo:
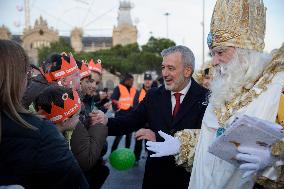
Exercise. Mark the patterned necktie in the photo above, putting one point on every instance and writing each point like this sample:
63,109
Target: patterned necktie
176,109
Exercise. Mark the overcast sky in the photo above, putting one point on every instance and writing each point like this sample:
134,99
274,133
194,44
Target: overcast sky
97,17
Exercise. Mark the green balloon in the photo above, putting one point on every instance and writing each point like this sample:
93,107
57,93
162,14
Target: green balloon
122,159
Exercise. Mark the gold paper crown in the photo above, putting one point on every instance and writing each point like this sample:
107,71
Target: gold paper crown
238,23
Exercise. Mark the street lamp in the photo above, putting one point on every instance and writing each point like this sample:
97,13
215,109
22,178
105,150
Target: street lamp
203,29
167,24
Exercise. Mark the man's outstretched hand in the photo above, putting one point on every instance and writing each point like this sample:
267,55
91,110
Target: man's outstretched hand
169,147
98,116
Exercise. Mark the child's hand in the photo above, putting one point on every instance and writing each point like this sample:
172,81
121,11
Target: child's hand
68,124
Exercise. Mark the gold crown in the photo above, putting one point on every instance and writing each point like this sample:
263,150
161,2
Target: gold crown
238,23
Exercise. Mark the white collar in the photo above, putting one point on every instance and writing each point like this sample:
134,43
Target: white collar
184,90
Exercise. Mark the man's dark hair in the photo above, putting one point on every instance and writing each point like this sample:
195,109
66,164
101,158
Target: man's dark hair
126,77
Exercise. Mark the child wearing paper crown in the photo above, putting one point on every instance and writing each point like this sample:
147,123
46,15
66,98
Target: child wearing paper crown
57,69
89,85
96,73
86,79
64,71
62,106
93,164
96,68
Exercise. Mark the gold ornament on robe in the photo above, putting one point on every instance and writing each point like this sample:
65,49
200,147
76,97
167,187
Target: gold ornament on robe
188,139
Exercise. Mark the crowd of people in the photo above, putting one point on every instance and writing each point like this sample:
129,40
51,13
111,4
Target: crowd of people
61,95
54,119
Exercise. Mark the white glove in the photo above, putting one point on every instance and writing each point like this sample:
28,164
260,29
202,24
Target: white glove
275,126
254,159
169,147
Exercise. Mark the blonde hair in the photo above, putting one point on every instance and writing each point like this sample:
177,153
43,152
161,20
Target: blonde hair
14,65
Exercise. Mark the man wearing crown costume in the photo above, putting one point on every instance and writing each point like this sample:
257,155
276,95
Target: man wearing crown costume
246,81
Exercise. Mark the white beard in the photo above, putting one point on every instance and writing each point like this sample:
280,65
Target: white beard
241,72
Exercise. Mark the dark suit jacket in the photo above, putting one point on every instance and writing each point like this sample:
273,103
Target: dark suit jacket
156,110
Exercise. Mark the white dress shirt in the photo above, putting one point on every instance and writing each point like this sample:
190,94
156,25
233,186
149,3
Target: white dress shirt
183,92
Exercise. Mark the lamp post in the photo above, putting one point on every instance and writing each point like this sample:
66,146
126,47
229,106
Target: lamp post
27,14
167,24
203,29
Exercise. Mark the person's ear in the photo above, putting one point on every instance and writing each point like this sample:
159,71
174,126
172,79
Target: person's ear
187,71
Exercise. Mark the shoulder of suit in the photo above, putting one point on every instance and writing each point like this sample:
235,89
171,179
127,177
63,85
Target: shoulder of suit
155,90
204,90
200,90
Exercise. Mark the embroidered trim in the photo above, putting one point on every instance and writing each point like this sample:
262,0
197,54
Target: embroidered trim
277,148
277,184
188,139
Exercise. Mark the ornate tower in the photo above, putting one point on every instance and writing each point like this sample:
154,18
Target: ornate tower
4,33
125,32
76,39
38,36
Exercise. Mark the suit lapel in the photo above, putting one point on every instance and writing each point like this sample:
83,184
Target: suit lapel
187,103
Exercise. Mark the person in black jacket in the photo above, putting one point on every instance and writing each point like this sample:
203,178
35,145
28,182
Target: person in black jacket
32,152
163,110
139,96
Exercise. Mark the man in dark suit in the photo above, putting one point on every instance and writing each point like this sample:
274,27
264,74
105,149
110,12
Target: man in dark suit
174,106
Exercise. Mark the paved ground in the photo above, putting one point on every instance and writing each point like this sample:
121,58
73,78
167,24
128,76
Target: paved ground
130,179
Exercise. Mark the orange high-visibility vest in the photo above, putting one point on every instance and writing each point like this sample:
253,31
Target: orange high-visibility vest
126,99
142,95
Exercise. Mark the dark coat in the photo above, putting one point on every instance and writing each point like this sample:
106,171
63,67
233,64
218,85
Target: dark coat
87,144
35,87
156,110
36,159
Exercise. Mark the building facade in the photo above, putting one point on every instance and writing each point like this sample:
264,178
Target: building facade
125,32
41,35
